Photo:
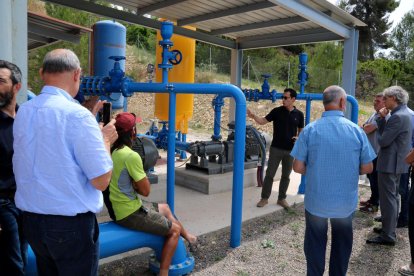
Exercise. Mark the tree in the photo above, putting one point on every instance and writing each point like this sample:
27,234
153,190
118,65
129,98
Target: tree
373,76
375,14
141,37
325,65
402,37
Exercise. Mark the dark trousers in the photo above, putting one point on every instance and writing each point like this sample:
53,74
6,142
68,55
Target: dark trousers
63,245
275,157
404,192
411,219
373,183
315,244
13,245
388,184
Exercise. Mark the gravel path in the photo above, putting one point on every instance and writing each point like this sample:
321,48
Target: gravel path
273,245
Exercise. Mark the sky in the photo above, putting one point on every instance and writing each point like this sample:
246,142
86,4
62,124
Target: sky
396,16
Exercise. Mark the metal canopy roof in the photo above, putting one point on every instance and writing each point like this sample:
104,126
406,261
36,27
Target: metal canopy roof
44,30
235,24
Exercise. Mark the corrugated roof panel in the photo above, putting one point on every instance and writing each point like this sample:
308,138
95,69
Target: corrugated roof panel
277,29
44,30
233,18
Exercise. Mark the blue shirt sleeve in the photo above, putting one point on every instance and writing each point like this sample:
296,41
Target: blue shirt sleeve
300,149
88,146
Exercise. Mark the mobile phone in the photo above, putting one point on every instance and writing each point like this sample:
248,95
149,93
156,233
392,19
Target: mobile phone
106,113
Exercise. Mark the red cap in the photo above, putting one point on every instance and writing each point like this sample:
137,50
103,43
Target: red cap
125,121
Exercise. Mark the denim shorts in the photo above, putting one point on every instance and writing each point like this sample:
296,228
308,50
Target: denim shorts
147,219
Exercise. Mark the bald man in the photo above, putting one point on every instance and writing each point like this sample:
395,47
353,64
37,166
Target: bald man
61,163
331,152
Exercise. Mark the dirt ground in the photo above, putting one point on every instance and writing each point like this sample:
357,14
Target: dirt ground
273,245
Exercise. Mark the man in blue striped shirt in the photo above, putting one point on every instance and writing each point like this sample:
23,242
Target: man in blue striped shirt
332,152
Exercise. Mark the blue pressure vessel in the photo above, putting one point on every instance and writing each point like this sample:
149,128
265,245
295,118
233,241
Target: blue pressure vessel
109,39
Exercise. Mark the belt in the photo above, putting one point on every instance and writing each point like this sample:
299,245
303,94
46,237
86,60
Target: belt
46,215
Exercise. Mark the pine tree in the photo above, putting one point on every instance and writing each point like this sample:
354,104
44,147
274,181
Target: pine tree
402,38
375,14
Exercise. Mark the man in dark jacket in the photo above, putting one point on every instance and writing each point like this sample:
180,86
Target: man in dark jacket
13,247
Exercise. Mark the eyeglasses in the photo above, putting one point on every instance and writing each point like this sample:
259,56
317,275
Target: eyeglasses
285,98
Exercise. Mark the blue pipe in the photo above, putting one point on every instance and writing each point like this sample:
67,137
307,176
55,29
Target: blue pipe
115,239
171,151
225,90
303,75
118,82
166,43
183,154
308,110
218,103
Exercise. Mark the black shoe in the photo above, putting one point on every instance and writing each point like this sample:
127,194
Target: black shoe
380,241
377,230
402,224
378,219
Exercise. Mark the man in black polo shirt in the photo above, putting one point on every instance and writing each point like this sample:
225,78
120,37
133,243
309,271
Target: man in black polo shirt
13,247
287,124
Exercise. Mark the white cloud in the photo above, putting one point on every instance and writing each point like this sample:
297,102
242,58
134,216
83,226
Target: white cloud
404,7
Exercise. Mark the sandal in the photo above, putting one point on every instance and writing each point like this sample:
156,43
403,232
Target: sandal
406,270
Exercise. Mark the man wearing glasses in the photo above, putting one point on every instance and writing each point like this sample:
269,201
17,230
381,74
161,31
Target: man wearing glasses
287,124
394,139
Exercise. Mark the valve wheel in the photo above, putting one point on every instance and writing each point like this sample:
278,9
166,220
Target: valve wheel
176,58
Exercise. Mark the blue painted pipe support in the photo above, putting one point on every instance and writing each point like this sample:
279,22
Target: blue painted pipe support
183,154
218,103
166,43
303,75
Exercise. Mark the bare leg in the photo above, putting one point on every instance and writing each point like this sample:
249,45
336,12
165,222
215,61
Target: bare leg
164,210
168,250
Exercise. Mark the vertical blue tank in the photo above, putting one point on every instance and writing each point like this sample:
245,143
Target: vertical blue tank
109,39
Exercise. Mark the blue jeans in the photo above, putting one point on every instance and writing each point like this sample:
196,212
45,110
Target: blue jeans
13,246
404,194
315,244
63,245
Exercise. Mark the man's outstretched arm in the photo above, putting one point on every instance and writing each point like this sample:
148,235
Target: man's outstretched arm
257,119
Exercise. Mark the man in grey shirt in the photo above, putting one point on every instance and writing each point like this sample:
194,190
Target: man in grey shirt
370,128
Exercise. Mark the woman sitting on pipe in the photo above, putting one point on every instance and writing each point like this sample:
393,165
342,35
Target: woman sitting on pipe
129,180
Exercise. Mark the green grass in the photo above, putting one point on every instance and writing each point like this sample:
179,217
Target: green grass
142,56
